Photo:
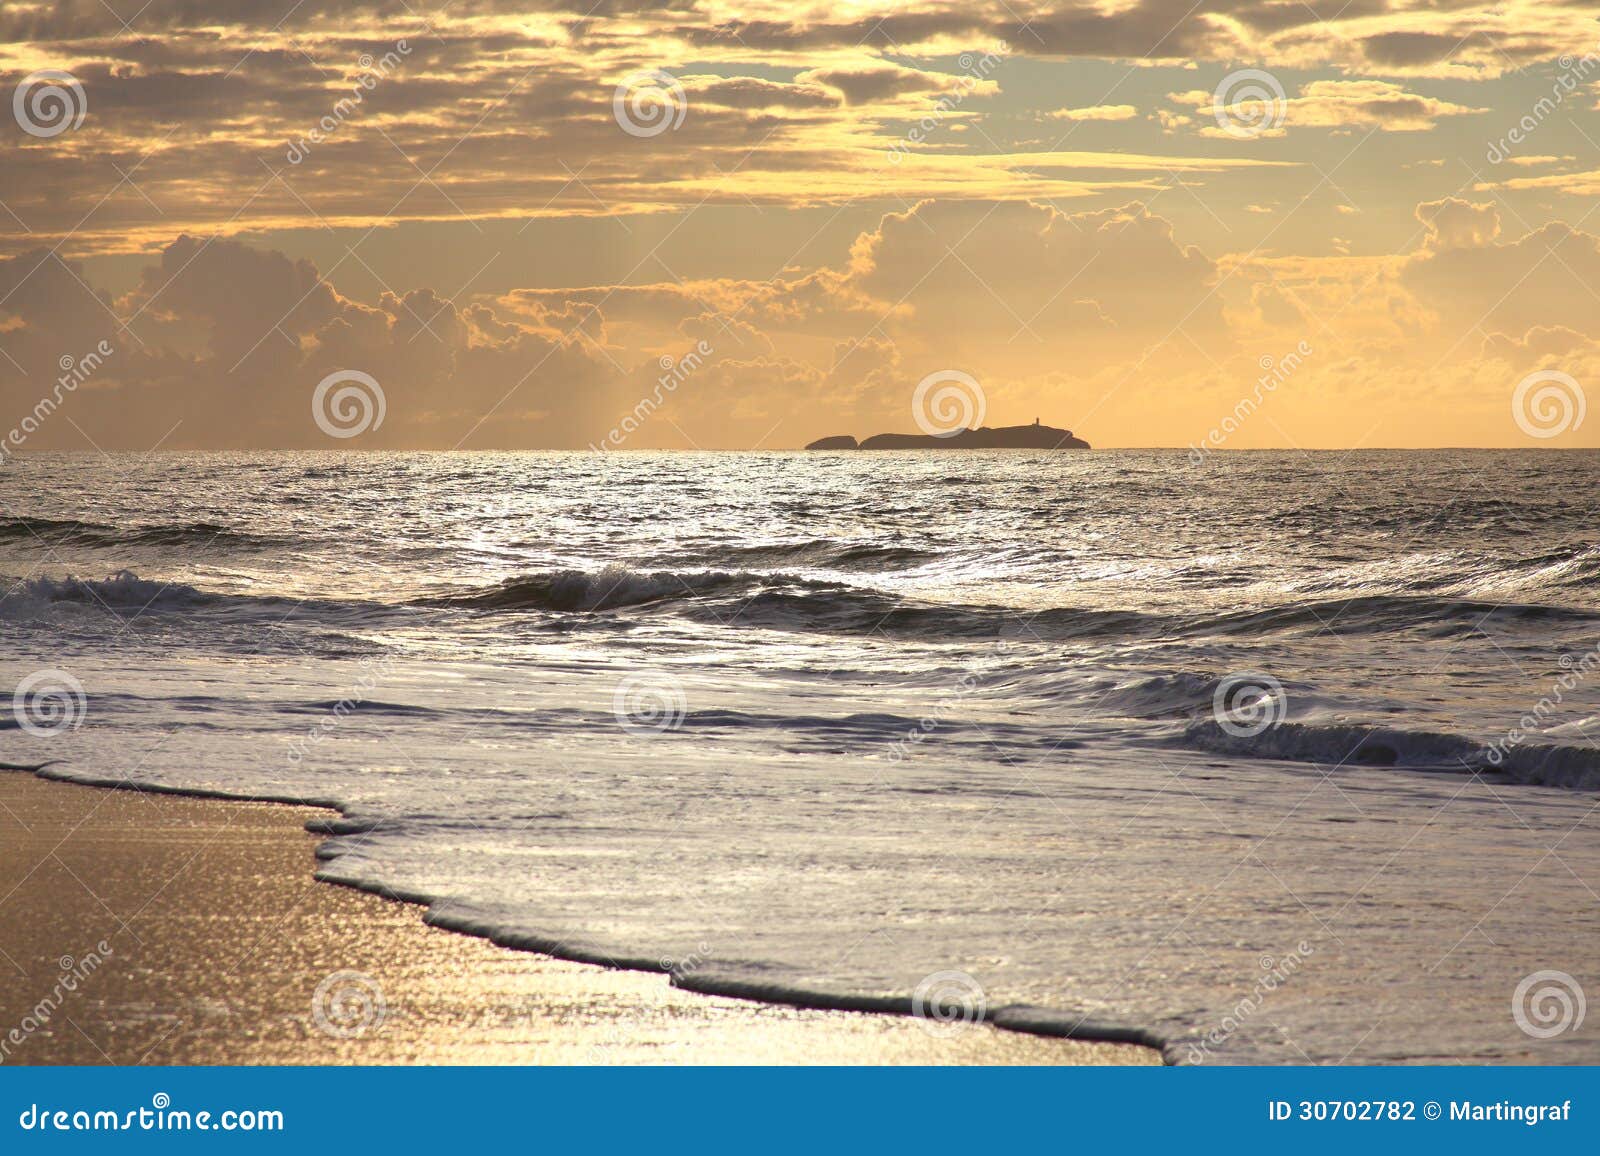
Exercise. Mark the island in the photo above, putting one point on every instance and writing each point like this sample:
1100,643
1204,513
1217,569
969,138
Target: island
1005,437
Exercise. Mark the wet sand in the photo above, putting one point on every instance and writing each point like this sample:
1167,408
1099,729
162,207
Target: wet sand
163,930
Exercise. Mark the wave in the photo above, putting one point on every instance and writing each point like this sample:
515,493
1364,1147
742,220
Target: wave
1352,745
612,588
780,600
1377,613
818,553
854,611
24,598
72,532
1180,695
124,589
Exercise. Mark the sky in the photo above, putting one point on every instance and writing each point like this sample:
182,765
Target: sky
735,224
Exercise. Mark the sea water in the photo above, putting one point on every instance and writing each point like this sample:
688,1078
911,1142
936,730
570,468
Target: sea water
1278,757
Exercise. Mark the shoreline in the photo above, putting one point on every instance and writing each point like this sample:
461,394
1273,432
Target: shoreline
159,925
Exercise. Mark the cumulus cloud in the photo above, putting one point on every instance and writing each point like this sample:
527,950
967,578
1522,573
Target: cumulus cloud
1476,281
1451,222
225,344
1104,318
235,337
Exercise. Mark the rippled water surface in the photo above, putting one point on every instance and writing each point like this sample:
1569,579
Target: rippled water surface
1287,756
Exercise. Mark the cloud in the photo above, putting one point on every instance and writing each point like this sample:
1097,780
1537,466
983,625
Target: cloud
1096,112
1543,344
1452,222
1409,48
871,83
1475,281
1369,104
998,275
236,336
502,111
752,92
1354,104
1582,184
847,202
226,343
1104,319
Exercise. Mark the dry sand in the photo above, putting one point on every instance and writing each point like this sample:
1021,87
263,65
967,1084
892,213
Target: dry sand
219,938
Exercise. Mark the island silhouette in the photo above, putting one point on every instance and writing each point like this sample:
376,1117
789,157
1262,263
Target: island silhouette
1005,437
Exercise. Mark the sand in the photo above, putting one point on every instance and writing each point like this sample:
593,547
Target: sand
152,929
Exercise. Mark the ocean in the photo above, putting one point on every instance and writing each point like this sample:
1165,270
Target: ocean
1272,758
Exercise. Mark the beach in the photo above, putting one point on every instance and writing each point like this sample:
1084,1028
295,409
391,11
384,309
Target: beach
158,929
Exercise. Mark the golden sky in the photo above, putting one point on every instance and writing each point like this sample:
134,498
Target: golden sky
735,224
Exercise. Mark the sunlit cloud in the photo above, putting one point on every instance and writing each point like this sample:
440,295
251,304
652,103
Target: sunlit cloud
1064,197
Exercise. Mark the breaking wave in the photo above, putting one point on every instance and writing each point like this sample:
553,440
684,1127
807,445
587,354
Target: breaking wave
612,588
124,589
